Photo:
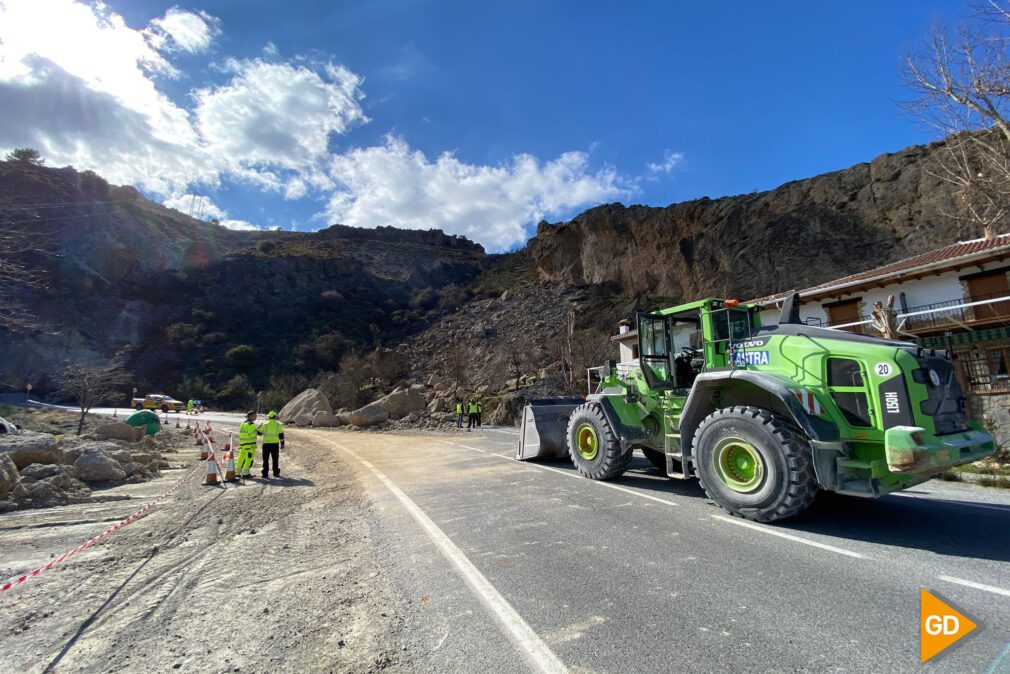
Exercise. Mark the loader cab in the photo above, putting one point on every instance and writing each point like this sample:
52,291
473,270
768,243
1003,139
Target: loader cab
675,345
670,349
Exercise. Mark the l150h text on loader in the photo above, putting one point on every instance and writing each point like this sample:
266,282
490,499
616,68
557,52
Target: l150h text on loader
764,417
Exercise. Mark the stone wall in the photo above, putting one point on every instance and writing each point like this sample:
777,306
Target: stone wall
994,412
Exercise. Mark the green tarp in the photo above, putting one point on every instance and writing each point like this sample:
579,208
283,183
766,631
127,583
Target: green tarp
145,418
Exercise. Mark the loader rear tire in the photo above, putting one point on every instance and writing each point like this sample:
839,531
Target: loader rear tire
754,463
593,445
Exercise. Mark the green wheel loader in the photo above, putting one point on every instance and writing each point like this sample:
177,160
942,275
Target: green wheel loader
765,417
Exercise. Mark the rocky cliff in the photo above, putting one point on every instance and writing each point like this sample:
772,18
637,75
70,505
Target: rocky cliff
802,233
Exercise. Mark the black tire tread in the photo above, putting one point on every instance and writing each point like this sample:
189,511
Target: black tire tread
656,457
796,449
614,462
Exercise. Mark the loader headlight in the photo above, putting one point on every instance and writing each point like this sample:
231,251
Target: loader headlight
934,377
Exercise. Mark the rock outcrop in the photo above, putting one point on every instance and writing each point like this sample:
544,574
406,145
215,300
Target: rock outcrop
794,236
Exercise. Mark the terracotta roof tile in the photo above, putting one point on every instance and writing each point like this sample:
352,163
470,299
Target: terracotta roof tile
961,249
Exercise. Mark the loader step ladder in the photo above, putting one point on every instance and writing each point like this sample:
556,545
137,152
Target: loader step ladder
676,466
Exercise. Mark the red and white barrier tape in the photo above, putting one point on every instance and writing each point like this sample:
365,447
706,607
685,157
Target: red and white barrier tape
14,582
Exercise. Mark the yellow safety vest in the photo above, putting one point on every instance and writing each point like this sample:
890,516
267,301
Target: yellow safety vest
247,433
459,408
473,408
272,432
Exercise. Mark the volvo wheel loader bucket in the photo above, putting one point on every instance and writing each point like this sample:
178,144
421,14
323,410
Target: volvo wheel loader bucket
544,427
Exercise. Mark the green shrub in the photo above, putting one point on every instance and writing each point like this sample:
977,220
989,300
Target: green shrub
237,394
241,357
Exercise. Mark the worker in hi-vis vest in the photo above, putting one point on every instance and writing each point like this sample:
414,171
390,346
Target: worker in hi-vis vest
273,441
459,414
472,414
247,434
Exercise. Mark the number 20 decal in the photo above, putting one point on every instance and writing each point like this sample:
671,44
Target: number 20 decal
883,369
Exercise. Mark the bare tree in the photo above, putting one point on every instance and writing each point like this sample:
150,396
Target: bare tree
962,78
515,354
91,385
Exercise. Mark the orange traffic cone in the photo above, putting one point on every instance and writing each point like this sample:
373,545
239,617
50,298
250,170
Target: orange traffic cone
229,455
229,469
202,441
177,424
211,478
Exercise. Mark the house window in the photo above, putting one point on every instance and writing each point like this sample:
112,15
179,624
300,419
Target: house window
987,370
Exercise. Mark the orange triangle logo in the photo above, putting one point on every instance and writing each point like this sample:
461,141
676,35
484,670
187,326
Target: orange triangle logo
940,626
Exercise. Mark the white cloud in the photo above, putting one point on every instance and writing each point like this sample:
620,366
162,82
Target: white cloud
278,114
187,31
671,160
80,85
394,185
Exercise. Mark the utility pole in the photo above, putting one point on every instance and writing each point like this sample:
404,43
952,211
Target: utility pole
259,396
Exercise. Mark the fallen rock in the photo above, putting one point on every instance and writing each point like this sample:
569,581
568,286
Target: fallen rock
9,476
303,420
28,447
401,403
345,417
117,430
40,471
308,402
370,415
323,419
434,380
94,465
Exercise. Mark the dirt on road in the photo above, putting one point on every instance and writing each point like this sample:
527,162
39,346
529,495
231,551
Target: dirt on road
275,575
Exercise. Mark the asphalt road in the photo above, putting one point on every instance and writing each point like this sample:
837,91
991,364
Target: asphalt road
516,566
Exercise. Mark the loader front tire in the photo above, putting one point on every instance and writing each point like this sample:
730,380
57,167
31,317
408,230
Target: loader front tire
754,463
593,445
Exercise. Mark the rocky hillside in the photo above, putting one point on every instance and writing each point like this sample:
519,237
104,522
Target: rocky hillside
190,299
802,233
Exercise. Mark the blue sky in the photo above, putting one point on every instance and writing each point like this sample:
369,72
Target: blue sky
478,118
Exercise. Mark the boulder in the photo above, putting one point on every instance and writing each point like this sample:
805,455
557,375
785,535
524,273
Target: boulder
27,447
303,420
420,388
434,380
369,415
401,403
40,471
439,405
308,402
323,419
122,456
413,417
345,417
9,476
94,465
117,430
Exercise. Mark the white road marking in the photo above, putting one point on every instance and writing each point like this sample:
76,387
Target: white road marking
977,586
789,537
566,473
539,653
